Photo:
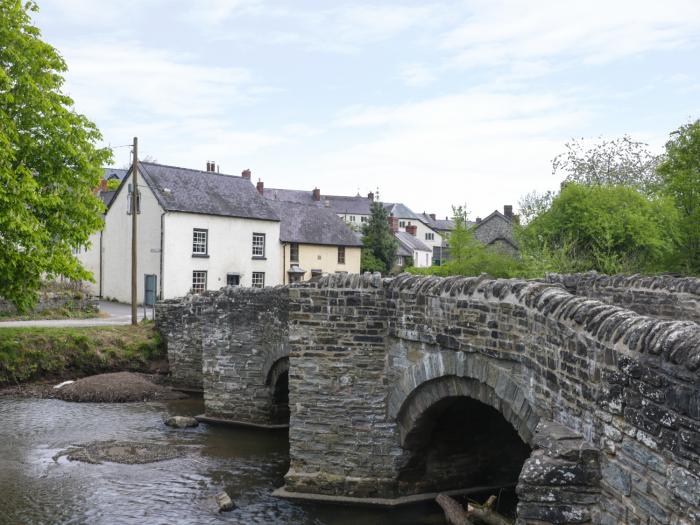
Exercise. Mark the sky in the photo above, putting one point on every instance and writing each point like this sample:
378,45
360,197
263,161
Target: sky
432,103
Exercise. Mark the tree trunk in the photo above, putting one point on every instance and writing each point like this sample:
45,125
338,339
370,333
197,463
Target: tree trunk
454,513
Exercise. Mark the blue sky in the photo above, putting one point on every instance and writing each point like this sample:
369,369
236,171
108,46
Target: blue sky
434,103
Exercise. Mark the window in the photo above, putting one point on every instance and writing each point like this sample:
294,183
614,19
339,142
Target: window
258,280
259,245
199,281
429,236
294,252
233,279
402,224
341,254
363,219
129,196
199,242
352,218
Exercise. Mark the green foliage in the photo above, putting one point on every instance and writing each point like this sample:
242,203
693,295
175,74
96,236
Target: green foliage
49,163
680,175
610,229
28,354
468,256
112,184
380,245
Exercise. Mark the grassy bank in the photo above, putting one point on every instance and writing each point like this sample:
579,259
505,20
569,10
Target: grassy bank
29,354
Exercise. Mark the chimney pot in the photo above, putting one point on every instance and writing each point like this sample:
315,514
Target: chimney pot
246,174
260,186
370,196
508,211
393,223
478,219
412,229
316,194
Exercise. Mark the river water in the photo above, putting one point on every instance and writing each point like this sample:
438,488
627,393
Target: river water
248,464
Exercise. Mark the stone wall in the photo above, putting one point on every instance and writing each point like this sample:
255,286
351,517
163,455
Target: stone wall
245,341
58,296
624,385
664,296
609,400
179,322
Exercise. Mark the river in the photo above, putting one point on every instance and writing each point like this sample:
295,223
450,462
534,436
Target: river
248,464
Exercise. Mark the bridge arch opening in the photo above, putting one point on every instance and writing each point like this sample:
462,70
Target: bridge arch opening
277,381
457,434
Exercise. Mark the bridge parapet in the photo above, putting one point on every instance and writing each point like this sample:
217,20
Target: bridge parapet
663,296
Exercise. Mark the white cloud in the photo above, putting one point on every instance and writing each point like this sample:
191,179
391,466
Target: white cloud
512,32
417,75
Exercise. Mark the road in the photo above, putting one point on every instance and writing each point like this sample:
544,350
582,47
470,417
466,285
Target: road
112,314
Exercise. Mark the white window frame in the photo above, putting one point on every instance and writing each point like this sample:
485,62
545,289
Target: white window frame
257,280
429,236
259,245
200,241
199,285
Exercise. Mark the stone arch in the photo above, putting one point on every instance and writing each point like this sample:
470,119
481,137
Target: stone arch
272,359
460,374
277,382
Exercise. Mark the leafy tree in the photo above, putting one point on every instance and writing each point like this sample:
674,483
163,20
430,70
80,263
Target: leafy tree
380,245
49,163
610,229
680,175
113,184
621,161
533,204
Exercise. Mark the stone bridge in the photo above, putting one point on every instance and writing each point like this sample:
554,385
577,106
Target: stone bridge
395,389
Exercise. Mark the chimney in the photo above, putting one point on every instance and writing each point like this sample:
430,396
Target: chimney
393,223
103,185
432,216
327,203
246,174
260,186
508,211
478,219
317,194
211,166
370,196
412,229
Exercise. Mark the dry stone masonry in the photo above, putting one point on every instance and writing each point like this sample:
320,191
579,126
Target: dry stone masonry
593,409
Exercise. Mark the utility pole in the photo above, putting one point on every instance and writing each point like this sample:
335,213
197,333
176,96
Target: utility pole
134,213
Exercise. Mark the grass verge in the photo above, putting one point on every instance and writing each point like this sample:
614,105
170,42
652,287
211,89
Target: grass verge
29,354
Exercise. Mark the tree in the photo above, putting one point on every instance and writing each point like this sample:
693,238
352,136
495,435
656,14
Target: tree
621,161
49,163
680,177
533,204
610,229
380,245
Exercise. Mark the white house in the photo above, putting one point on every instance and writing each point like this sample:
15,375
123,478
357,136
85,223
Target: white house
197,230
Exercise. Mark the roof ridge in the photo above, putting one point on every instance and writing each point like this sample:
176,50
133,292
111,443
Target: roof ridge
189,169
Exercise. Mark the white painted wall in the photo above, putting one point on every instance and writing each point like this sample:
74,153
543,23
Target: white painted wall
90,259
422,259
116,244
421,230
230,248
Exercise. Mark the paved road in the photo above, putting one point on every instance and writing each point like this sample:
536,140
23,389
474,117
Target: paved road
114,314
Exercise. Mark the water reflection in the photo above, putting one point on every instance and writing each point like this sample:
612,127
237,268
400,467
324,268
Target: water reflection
248,464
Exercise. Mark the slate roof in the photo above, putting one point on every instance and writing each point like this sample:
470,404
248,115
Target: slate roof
437,224
196,191
348,205
112,173
306,224
492,215
107,197
411,242
298,196
400,211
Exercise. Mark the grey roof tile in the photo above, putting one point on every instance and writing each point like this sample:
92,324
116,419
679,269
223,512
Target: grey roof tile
411,241
196,191
306,224
112,173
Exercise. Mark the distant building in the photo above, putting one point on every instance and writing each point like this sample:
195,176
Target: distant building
496,230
